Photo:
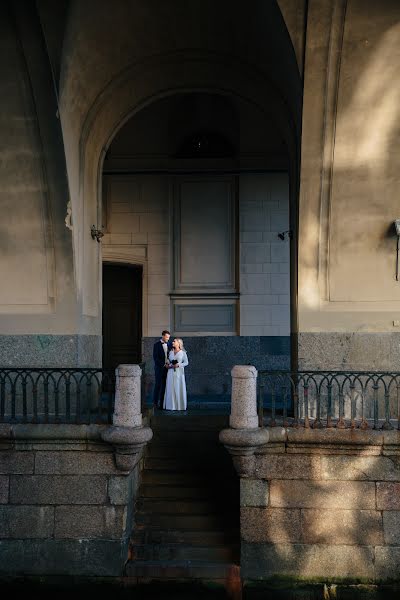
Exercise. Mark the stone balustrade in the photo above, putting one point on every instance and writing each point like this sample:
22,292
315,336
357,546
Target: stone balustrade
316,504
67,491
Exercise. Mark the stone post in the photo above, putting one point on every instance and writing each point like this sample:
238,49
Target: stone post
244,437
127,434
127,410
244,398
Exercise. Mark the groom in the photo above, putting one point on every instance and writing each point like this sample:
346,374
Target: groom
161,350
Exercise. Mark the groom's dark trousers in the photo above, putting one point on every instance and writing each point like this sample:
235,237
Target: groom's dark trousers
160,373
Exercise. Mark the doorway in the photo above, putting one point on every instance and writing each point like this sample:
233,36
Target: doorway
122,315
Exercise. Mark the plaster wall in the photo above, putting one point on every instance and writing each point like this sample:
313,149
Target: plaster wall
264,258
39,315
349,298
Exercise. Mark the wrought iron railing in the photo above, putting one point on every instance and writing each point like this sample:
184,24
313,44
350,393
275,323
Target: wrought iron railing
58,395
70,395
329,399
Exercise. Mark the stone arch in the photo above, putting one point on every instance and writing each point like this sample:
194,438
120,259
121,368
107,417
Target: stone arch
138,87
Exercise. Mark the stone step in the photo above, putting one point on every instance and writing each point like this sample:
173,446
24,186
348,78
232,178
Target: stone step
174,506
179,521
181,570
189,438
189,422
176,492
189,537
160,477
167,552
206,451
187,463
206,478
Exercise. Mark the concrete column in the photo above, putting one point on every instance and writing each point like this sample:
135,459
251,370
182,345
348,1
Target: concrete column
127,410
244,398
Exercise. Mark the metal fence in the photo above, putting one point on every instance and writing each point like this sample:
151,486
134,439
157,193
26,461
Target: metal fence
56,395
59,395
329,399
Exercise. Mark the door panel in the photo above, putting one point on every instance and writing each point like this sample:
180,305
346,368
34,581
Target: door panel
122,315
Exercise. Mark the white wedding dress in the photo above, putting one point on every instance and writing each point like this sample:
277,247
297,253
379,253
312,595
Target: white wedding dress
175,389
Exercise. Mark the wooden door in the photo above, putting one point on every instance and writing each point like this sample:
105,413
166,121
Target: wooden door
122,315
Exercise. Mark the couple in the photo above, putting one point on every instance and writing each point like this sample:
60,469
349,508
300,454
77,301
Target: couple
170,360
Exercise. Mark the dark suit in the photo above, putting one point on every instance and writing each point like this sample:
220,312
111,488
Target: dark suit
160,372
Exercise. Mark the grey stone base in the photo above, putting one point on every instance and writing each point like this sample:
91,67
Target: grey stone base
101,558
44,350
211,359
349,351
324,562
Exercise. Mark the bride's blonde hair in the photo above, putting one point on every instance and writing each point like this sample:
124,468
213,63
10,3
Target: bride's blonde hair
180,342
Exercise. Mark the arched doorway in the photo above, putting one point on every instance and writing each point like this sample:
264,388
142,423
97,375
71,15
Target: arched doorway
199,185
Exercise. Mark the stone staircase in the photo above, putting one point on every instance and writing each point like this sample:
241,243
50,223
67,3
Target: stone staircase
187,510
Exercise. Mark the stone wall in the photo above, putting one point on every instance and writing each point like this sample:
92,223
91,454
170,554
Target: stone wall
212,358
264,258
322,505
65,509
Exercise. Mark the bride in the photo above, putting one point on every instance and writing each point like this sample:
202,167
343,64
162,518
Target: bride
175,390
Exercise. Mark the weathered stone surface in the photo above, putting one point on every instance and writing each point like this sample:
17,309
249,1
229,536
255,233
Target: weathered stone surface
322,438
127,436
16,462
244,465
5,431
23,522
354,527
123,489
277,435
214,378
244,442
259,561
63,446
254,492
90,522
119,490
372,468
387,562
74,463
4,487
47,350
283,466
127,410
276,525
391,528
391,439
58,489
353,351
63,557
388,496
244,397
322,494
62,431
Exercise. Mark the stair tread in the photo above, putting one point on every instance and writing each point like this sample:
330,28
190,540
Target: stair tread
185,524
182,562
181,569
178,551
